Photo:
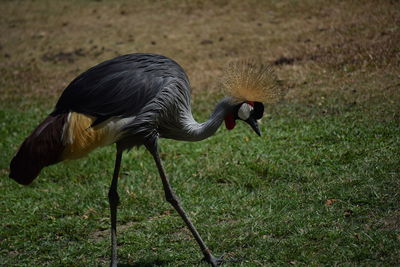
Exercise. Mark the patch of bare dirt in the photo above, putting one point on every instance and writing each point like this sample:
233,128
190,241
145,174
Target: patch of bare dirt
69,57
391,223
316,47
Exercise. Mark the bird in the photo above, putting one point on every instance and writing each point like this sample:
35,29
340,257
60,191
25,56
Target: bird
134,100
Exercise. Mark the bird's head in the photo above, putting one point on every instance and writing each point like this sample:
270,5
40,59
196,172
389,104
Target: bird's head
248,112
250,83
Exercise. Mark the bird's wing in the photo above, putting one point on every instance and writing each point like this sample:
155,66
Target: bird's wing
119,87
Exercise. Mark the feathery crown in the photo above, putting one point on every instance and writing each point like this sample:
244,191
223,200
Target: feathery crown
249,80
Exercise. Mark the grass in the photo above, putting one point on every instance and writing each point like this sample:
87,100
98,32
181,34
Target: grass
311,191
320,187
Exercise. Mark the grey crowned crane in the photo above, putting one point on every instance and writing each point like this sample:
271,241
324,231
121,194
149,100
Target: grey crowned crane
134,100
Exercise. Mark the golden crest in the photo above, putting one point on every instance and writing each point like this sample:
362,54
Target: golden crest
250,80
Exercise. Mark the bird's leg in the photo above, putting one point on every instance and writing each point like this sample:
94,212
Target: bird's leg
172,198
113,200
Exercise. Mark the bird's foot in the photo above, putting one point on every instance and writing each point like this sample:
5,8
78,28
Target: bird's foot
214,261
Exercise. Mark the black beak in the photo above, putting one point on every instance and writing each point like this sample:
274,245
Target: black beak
253,123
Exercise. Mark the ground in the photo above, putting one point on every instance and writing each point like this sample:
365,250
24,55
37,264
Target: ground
319,188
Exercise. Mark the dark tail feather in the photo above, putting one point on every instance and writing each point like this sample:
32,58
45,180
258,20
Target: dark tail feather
42,148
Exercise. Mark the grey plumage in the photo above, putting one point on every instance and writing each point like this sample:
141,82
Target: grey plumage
120,87
147,96
151,88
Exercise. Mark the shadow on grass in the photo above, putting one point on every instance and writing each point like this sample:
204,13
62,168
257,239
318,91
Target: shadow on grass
158,262
145,263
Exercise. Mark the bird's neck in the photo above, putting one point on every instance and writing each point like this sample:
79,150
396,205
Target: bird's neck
195,131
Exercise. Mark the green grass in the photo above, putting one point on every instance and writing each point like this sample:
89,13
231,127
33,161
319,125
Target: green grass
314,190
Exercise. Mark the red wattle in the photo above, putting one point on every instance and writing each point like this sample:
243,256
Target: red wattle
230,122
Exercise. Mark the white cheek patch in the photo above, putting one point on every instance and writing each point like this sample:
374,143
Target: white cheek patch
244,111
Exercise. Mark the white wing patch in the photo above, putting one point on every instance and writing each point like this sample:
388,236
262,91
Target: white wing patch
244,111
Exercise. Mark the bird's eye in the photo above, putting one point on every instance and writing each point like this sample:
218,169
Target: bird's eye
258,110
244,111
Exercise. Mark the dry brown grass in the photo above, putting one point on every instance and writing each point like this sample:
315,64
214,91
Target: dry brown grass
319,48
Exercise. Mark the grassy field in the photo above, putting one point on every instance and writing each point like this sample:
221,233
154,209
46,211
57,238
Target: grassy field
320,187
